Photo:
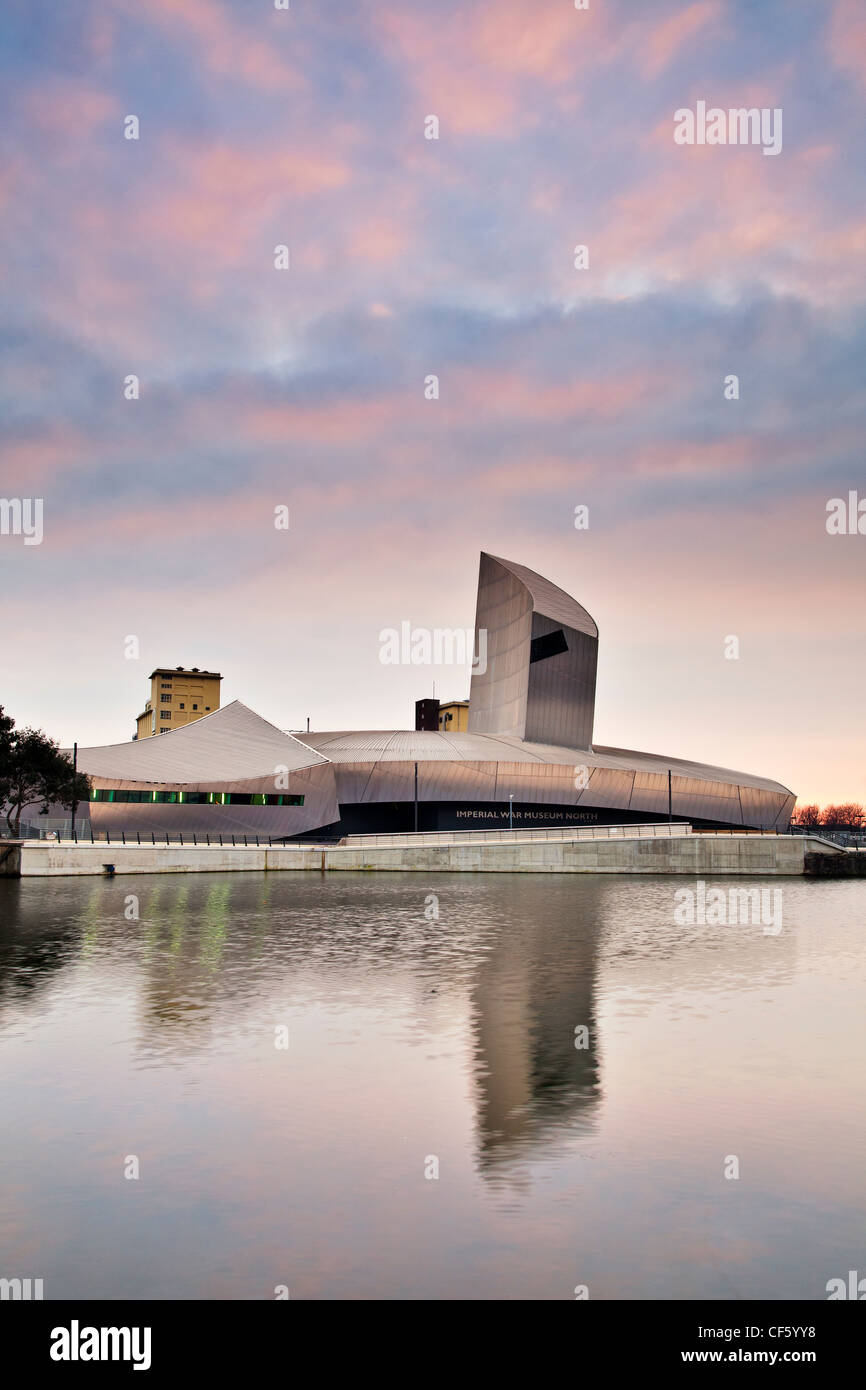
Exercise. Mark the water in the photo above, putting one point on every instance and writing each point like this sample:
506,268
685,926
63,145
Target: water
412,1040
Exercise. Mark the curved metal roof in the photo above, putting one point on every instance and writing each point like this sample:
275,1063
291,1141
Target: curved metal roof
230,745
389,745
548,599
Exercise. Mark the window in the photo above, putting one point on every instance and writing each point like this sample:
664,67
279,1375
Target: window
165,685
195,706
262,799
550,644
165,714
207,707
166,798
165,699
182,705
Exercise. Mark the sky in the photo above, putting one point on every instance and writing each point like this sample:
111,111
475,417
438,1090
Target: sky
601,386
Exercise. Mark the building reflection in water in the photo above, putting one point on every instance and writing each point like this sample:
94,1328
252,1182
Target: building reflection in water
512,976
533,1001
205,948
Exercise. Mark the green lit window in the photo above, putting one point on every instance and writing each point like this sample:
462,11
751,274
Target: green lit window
166,798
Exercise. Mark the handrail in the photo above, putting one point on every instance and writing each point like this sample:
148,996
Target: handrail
548,835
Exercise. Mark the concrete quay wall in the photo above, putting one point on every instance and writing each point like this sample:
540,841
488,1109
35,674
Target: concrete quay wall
694,855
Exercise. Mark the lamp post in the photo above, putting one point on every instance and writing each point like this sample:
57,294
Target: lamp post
74,807
511,810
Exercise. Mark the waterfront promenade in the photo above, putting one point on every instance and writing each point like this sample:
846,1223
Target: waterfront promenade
626,849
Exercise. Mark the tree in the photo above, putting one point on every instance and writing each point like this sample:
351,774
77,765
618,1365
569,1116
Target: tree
807,815
849,814
7,746
33,769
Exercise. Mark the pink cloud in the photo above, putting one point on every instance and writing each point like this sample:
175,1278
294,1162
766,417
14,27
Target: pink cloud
665,40
708,212
214,206
512,395
477,68
69,110
378,239
331,422
468,68
250,51
219,197
30,461
846,39
521,37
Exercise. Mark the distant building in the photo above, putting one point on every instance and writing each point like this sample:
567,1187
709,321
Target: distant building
426,716
454,717
177,696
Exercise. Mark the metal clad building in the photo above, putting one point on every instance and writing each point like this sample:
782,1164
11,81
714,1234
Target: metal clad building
541,647
528,753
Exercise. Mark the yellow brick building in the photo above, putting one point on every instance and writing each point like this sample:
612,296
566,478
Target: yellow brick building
177,697
454,717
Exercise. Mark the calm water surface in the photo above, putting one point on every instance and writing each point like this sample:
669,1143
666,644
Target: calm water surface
412,1040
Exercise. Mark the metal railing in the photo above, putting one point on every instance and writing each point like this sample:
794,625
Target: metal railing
849,839
411,839
152,839
56,831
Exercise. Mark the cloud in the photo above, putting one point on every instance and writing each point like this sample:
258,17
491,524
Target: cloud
408,258
67,110
666,39
251,49
846,38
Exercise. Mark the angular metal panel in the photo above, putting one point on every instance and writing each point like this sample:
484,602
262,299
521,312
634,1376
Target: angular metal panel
608,788
551,700
497,694
231,743
560,704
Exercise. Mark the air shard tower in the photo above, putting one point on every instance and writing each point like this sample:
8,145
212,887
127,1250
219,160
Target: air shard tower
541,655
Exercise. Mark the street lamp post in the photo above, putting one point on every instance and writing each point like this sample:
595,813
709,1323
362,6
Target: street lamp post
511,810
74,807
